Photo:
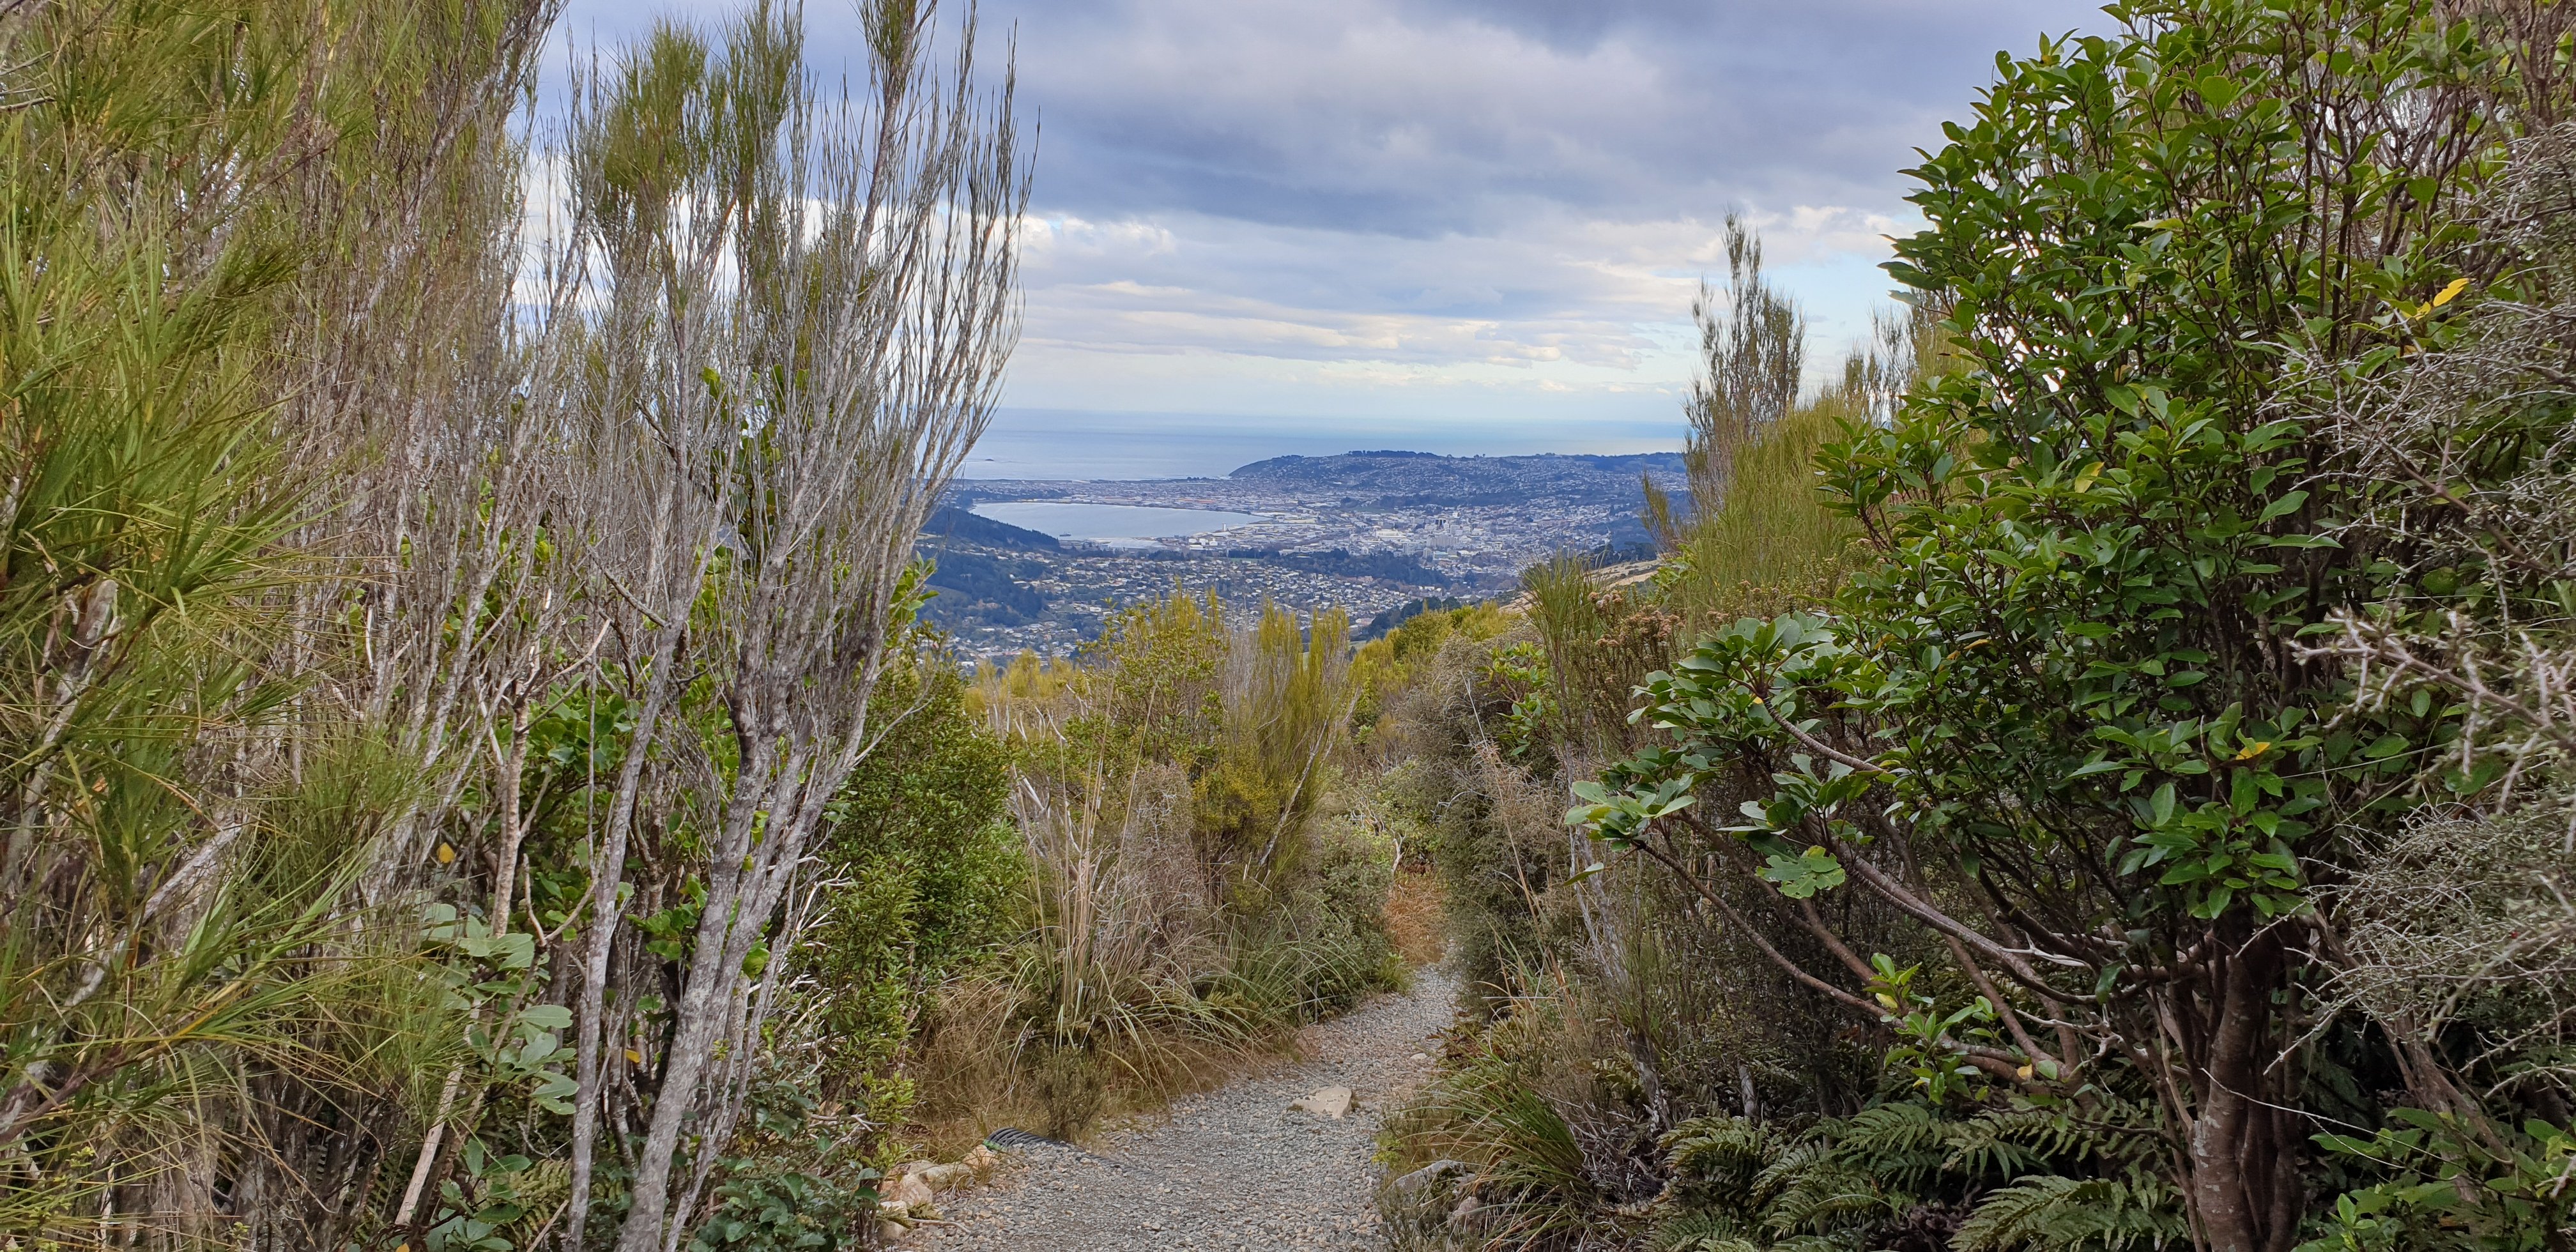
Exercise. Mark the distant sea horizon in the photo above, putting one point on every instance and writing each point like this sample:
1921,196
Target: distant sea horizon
1092,445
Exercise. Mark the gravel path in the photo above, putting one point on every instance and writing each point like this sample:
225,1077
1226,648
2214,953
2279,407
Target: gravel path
1234,1168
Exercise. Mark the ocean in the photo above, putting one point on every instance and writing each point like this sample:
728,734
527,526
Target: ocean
1076,444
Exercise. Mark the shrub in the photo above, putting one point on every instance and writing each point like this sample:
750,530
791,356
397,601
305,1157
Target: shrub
2068,721
1186,900
920,878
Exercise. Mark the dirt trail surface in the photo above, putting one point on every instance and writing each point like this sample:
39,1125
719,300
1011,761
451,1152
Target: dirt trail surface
1234,1168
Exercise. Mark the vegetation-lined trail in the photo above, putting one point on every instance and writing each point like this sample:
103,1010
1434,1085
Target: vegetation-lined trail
1235,1168
475,777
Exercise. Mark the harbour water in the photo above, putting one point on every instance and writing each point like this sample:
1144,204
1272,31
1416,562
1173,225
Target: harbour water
1115,525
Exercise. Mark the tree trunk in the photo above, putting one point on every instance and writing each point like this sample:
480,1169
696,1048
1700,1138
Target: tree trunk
742,895
692,1045
2243,1188
607,874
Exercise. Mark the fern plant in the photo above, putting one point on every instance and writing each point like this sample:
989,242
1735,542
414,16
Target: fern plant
1703,1230
2022,1178
2052,1213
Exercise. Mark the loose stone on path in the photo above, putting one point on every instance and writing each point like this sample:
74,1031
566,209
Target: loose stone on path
1235,1168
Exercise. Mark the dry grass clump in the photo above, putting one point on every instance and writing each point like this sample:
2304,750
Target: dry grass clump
973,1080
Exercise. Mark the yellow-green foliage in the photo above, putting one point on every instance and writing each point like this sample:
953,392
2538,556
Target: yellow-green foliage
1762,539
1385,665
1027,676
1771,541
1284,713
1148,689
1770,544
1181,901
1252,719
1157,668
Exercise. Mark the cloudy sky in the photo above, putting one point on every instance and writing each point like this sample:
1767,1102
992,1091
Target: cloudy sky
1443,213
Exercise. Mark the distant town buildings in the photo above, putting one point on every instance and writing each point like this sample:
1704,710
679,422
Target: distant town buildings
1366,531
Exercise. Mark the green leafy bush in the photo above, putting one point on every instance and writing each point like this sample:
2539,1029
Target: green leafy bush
2002,1180
785,1212
922,878
2070,719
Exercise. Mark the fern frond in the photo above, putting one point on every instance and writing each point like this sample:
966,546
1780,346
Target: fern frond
1722,1149
1901,1143
1845,1241
2007,1143
2023,1139
1701,1231
1831,1197
1719,1162
1785,1170
2015,1217
1891,1128
2051,1213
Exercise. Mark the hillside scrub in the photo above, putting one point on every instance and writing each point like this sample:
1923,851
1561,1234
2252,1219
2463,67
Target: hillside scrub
2150,788
1609,1002
1197,877
435,649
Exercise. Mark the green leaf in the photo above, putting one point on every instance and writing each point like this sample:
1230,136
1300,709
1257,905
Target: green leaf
1804,875
2288,503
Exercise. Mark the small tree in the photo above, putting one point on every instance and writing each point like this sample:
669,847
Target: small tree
803,308
1753,351
2073,723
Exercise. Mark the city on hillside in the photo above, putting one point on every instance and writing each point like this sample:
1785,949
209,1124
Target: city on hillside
1368,532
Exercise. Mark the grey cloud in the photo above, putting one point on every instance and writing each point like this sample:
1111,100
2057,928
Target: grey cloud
1421,116
1418,117
1558,290
1509,189
1581,25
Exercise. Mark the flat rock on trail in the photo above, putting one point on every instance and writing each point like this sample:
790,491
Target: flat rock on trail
1234,1168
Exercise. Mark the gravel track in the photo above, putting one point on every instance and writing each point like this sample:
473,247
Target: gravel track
1230,1169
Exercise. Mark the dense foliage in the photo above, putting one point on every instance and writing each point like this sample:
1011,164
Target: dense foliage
1196,879
2095,775
431,650
2161,772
